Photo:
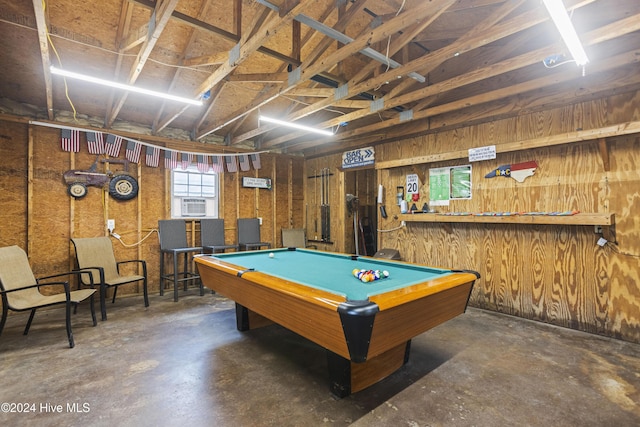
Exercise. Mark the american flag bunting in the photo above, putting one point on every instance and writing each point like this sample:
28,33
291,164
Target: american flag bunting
216,164
133,151
244,162
152,157
203,163
255,160
70,140
112,145
170,159
95,143
232,164
187,159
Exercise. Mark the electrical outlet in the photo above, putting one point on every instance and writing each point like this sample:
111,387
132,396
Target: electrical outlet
403,224
597,229
111,225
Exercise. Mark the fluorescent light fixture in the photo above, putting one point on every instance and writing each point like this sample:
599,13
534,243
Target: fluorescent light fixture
122,86
563,23
295,125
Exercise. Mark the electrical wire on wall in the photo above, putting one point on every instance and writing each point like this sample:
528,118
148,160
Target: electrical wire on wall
132,245
66,88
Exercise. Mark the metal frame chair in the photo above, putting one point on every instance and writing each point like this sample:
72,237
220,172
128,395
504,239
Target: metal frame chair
173,242
212,236
21,290
295,238
249,234
95,254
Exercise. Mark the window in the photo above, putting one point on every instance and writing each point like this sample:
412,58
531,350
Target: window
193,193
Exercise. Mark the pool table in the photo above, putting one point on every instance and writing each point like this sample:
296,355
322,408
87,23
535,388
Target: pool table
366,328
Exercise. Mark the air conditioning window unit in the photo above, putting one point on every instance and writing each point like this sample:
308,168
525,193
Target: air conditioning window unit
194,207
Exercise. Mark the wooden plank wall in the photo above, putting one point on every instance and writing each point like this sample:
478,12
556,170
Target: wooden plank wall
555,274
39,216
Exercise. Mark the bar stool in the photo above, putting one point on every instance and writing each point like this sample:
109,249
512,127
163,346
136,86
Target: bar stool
249,234
173,242
212,236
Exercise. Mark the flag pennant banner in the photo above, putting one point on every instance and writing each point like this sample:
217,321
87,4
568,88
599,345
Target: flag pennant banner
203,163
70,140
232,165
112,145
170,159
187,159
133,151
244,162
255,160
216,164
152,156
95,142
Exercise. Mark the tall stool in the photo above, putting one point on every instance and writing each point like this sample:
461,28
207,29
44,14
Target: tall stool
249,234
212,236
173,242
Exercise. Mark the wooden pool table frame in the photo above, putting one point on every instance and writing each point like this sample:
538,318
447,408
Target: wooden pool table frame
365,340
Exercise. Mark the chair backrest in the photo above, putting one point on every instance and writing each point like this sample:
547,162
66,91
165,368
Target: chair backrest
294,238
248,230
172,234
96,252
15,273
212,232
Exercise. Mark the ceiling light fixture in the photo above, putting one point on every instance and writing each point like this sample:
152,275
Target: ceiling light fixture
295,125
122,86
567,31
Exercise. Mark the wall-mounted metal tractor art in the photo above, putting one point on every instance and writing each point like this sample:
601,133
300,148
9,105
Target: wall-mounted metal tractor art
120,184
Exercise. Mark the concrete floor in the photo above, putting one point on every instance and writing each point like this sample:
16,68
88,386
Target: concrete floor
184,363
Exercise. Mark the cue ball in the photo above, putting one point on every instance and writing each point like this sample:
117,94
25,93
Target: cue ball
271,255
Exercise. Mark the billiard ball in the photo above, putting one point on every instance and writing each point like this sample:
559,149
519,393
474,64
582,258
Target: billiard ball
271,255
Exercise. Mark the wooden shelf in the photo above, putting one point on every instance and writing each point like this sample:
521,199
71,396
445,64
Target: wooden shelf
577,219
606,220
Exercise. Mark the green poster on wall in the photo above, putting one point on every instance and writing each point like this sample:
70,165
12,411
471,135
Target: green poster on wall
439,186
461,182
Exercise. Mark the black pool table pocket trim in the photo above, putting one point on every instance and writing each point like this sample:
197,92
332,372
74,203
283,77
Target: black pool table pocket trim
241,272
357,323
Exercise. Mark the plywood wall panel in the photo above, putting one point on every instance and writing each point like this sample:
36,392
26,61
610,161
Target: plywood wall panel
13,185
555,274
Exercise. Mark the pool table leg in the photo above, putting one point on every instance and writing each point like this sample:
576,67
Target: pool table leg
247,319
346,377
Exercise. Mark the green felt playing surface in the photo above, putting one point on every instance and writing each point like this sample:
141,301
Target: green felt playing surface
332,272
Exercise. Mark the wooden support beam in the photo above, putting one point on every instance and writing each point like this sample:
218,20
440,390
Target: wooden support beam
43,31
159,19
598,134
135,38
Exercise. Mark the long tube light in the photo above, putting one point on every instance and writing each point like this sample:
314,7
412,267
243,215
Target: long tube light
567,31
295,125
122,86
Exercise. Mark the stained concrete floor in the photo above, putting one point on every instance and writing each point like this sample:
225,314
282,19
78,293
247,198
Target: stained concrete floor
184,363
